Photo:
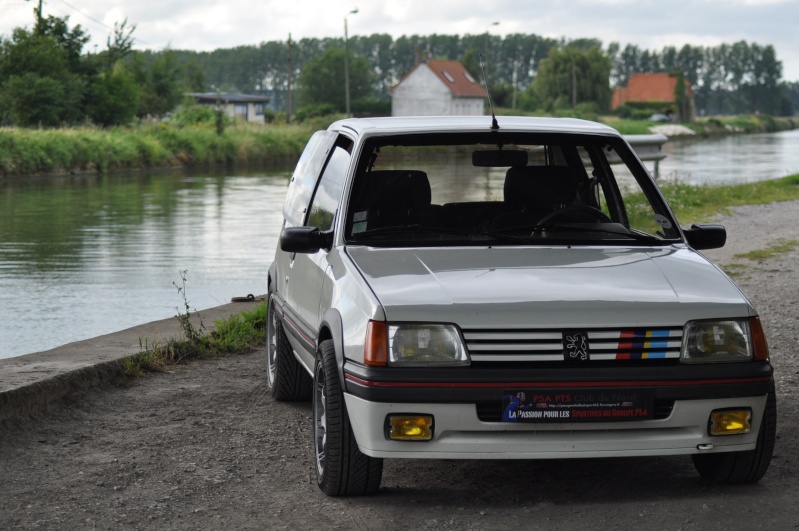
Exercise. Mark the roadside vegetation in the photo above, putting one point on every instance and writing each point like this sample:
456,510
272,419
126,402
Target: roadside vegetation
237,334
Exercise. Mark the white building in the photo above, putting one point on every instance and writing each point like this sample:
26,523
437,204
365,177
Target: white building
437,88
243,107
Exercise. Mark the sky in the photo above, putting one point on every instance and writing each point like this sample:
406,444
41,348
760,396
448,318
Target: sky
204,25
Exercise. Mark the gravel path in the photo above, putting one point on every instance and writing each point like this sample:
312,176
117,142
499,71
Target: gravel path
204,447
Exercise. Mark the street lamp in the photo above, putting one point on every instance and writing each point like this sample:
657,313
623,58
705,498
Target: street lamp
347,62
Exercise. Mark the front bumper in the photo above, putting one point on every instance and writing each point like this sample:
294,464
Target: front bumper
459,434
466,406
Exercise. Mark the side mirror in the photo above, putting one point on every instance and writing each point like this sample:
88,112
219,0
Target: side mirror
706,236
306,240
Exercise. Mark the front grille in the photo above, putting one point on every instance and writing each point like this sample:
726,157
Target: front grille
605,344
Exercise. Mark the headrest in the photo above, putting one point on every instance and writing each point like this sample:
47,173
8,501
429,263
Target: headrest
404,187
539,186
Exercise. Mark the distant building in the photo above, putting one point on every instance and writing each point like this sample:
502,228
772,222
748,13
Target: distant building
653,88
437,88
244,107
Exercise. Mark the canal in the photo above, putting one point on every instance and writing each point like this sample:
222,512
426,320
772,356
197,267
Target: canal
82,256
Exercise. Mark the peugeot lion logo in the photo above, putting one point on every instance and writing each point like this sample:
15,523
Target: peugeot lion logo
575,346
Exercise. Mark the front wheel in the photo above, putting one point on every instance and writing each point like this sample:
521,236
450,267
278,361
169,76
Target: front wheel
743,467
341,468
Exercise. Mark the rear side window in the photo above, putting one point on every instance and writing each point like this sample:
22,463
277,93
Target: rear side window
303,181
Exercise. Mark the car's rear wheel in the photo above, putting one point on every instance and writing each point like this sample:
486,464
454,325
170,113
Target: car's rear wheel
743,467
341,468
286,379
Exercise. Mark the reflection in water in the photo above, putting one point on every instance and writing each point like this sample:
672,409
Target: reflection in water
83,256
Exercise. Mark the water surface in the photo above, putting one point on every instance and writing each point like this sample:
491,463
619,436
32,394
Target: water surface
84,256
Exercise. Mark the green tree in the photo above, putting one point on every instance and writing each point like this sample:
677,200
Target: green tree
322,80
35,100
571,76
114,97
42,81
160,82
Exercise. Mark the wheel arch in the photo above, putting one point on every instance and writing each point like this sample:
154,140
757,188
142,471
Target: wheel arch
269,276
332,327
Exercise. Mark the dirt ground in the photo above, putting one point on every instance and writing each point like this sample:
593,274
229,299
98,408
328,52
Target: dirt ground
205,447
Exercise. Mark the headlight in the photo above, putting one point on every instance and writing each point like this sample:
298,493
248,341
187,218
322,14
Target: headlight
716,341
425,345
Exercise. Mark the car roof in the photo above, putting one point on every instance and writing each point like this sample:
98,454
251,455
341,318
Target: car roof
464,124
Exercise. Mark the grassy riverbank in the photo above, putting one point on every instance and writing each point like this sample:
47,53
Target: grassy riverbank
721,125
235,335
93,150
165,145
693,203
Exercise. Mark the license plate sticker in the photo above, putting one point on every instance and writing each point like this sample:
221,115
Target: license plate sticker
576,405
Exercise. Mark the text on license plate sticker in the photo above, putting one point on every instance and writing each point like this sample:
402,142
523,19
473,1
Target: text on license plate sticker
570,405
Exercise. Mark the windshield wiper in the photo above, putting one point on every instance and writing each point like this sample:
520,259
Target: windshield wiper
537,229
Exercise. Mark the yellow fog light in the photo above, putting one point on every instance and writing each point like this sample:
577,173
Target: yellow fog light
730,421
410,427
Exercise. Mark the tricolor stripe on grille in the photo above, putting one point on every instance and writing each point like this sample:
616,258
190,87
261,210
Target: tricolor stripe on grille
547,345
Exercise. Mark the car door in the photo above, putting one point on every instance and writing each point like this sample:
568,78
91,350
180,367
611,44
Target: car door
306,272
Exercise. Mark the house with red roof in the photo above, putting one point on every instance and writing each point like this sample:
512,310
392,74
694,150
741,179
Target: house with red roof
654,88
438,88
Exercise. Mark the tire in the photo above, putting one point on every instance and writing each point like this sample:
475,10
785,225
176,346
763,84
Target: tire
286,379
743,467
341,468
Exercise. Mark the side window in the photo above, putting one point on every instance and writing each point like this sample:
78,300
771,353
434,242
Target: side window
331,186
303,181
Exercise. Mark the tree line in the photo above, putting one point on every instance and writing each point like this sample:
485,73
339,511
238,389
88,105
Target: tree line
727,79
47,79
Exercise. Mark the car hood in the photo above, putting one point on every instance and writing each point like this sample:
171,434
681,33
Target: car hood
549,286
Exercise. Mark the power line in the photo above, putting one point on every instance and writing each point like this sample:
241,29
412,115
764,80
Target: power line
87,16
106,26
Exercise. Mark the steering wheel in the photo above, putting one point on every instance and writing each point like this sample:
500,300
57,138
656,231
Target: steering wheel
595,213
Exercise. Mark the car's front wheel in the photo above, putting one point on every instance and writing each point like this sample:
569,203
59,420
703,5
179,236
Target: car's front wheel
286,379
743,467
341,468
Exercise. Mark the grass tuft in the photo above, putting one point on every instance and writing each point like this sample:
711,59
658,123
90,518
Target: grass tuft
235,335
775,248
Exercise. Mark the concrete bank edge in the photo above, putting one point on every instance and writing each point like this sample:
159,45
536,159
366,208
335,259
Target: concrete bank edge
33,383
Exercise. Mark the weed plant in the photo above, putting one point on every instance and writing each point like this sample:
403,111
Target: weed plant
238,334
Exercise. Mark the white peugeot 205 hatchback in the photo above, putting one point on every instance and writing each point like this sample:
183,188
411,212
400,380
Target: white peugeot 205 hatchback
453,288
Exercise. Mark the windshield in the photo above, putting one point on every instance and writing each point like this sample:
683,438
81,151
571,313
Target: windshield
504,189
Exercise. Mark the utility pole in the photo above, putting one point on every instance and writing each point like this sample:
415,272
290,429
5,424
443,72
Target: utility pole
347,63
288,95
574,86
39,13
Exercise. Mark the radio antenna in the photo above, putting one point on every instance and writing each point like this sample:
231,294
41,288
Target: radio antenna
494,124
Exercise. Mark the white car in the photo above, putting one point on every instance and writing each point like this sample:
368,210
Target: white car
453,288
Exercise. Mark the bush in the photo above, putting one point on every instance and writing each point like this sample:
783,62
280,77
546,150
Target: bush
642,110
191,113
314,111
366,107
